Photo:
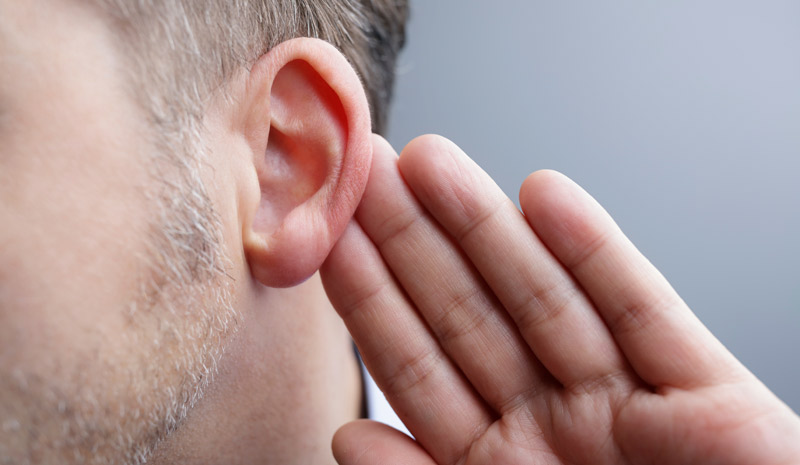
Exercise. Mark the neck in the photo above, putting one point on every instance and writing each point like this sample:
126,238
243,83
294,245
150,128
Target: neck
286,383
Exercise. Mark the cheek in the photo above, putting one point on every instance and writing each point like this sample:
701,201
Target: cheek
74,222
73,213
81,310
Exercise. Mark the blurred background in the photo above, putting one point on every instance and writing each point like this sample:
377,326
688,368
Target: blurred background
681,117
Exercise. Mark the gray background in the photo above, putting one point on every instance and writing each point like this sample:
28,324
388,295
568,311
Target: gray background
681,117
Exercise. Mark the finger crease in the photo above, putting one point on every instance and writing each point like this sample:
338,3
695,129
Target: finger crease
397,225
363,297
413,372
484,215
605,382
589,250
542,305
637,315
520,399
469,317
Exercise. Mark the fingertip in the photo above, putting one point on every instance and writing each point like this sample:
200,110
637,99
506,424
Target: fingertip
384,160
421,149
444,178
564,216
344,445
549,195
543,185
367,442
382,147
426,143
544,176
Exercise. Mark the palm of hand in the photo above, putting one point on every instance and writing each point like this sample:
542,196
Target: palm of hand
545,338
704,426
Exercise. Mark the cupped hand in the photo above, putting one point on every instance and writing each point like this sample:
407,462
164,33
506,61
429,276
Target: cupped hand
533,337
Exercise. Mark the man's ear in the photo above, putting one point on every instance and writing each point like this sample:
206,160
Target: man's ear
308,125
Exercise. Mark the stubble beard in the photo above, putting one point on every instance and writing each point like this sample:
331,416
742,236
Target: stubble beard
189,297
178,325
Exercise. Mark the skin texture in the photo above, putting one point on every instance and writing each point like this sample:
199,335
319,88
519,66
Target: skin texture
499,338
116,345
541,336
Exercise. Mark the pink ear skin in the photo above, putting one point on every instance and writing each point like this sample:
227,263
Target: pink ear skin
308,125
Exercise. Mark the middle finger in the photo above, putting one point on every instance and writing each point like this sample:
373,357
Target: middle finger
459,307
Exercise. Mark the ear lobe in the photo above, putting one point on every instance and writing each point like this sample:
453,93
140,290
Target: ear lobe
312,161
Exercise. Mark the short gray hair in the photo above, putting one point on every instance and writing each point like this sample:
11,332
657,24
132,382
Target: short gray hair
184,49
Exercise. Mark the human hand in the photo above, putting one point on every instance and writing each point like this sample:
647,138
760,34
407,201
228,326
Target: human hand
541,338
